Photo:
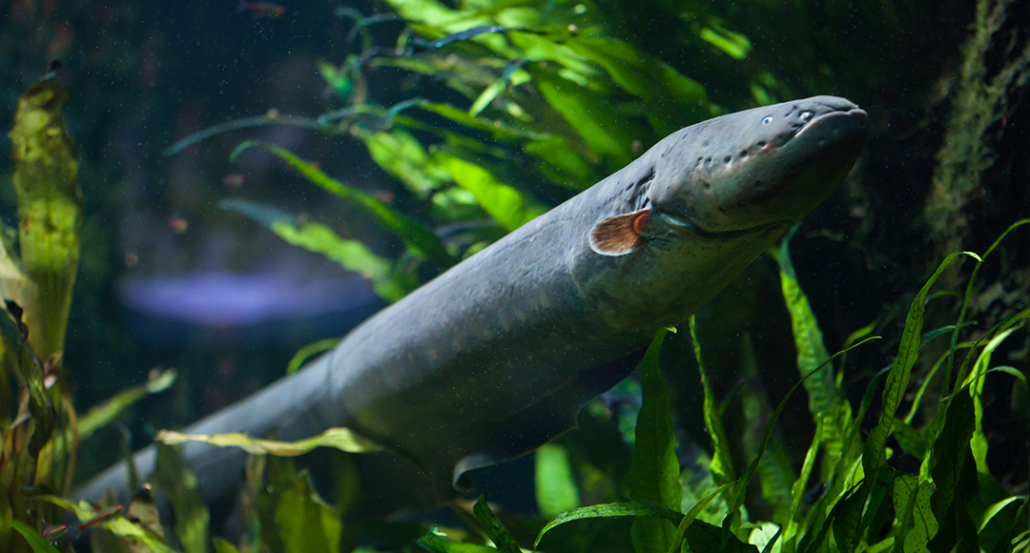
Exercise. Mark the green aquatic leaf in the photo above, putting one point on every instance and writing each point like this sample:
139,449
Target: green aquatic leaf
706,537
967,298
389,280
500,535
553,47
776,469
513,76
722,462
914,521
562,165
587,113
416,236
655,471
688,520
556,490
897,380
436,544
496,129
976,381
36,541
401,155
955,478
304,520
737,498
179,485
509,207
342,439
735,45
826,401
997,519
223,546
103,414
335,77
683,100
306,352
611,510
911,440
49,207
116,523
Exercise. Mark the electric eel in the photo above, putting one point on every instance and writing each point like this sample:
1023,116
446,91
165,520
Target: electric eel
496,356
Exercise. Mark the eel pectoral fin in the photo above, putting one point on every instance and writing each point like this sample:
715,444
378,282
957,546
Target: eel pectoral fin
621,234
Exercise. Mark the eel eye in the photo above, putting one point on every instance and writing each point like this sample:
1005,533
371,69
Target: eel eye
767,120
805,116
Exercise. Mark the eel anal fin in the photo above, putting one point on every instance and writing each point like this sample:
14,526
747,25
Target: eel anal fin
621,234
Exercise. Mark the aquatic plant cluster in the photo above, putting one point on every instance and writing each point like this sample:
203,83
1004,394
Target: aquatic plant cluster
512,106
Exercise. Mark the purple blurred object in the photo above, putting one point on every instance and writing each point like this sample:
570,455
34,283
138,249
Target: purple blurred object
221,299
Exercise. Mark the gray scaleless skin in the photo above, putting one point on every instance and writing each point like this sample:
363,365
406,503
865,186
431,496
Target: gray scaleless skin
497,355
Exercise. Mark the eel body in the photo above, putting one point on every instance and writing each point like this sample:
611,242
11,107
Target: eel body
496,356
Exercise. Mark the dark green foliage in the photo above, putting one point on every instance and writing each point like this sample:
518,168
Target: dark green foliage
655,473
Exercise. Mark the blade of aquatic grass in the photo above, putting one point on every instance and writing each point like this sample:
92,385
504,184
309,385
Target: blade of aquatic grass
826,401
436,544
654,82
497,130
500,535
103,414
308,351
797,493
509,207
691,516
556,490
897,380
512,75
735,45
955,477
976,381
389,279
223,546
36,541
738,495
918,400
845,518
583,110
179,485
700,536
776,469
967,297
415,235
400,154
272,117
342,439
655,470
852,338
611,510
722,463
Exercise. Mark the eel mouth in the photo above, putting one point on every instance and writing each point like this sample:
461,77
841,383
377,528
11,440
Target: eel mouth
681,224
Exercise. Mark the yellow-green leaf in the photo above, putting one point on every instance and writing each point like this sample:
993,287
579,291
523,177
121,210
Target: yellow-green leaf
556,490
505,204
49,206
338,438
